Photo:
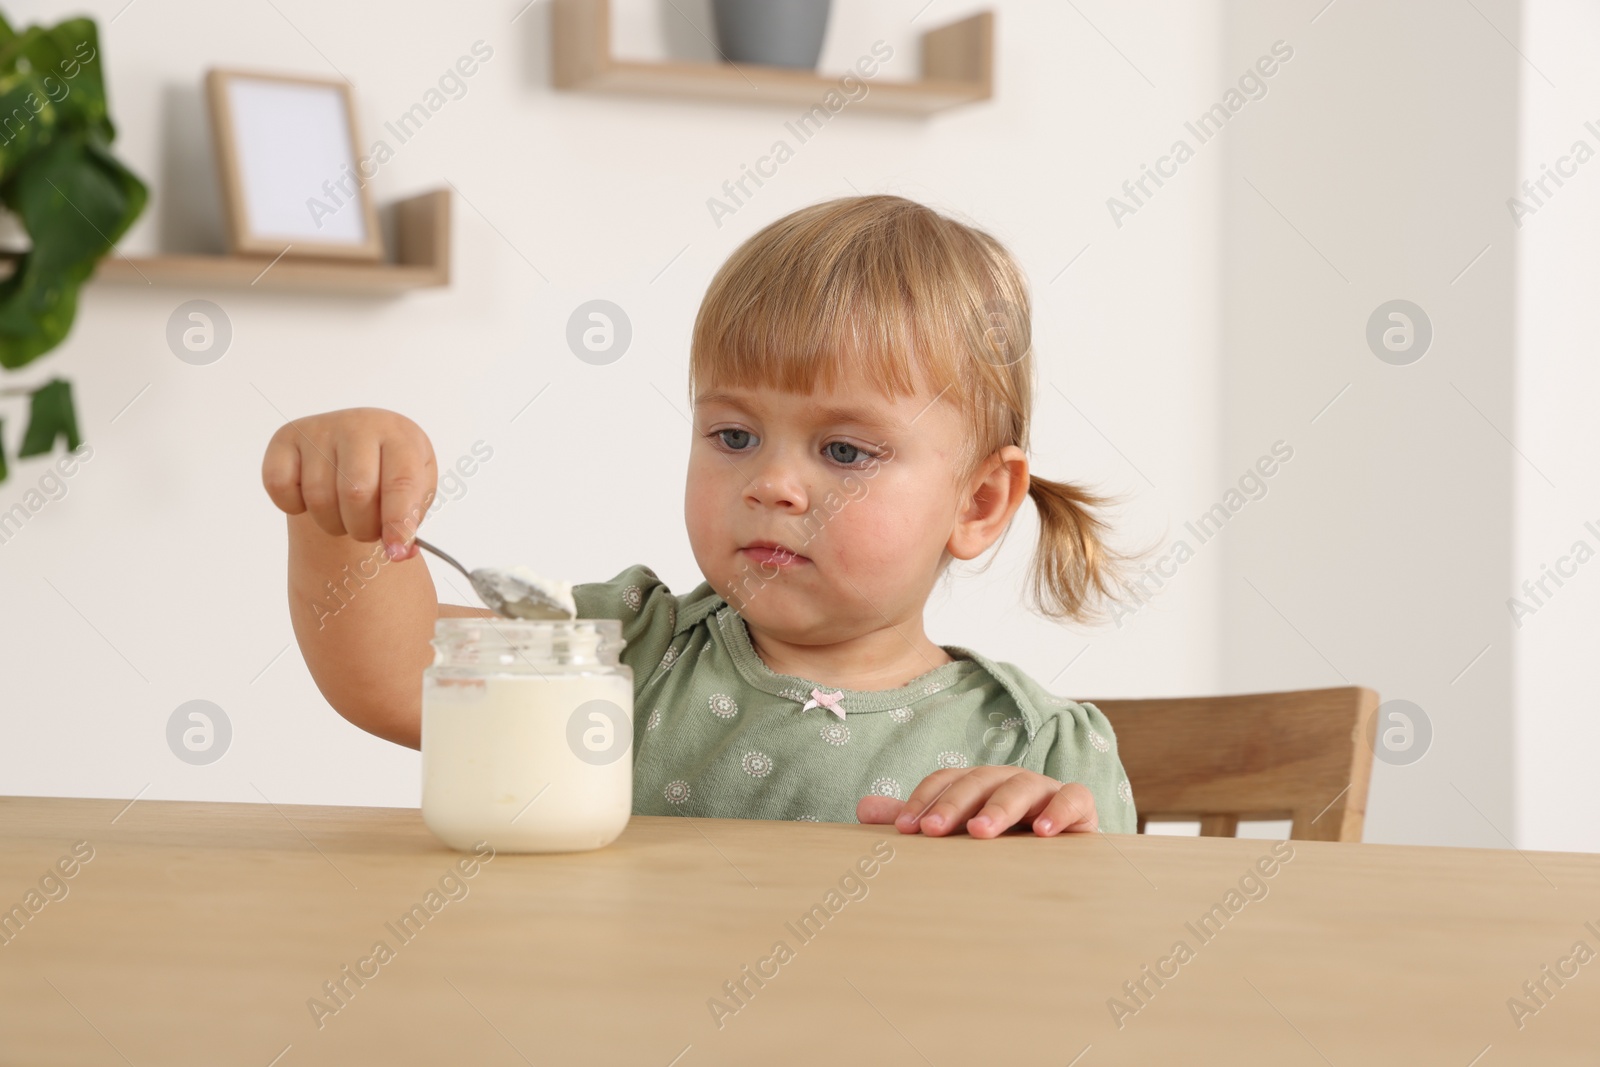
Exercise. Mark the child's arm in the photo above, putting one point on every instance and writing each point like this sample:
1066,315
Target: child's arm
363,622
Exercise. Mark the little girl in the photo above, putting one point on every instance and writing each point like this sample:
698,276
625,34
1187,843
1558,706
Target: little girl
861,377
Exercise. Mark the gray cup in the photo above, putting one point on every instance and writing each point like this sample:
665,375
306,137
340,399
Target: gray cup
777,33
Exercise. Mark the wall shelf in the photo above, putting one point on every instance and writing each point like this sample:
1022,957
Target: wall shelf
422,230
957,68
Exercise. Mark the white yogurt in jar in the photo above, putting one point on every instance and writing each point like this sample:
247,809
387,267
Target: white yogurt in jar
527,742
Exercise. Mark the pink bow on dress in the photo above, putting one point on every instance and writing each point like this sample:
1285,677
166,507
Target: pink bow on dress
830,701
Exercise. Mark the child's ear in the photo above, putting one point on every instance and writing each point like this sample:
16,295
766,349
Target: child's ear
989,500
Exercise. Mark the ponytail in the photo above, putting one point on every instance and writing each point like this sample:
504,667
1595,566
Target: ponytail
1074,572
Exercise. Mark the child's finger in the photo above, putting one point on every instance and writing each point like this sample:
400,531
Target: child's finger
1071,810
1015,800
927,791
877,809
356,462
320,490
954,801
406,493
280,473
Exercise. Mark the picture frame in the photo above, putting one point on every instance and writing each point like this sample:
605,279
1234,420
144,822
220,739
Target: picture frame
286,150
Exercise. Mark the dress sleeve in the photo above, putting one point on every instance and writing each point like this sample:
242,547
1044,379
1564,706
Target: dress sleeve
646,608
1083,749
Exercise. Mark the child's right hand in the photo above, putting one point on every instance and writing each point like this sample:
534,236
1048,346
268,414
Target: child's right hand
362,472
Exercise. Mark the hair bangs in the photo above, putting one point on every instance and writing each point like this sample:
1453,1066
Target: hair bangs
835,291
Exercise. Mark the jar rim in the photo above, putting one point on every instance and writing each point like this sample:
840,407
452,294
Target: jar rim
522,627
470,642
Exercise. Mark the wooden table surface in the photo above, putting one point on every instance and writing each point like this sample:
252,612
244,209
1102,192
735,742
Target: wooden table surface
204,934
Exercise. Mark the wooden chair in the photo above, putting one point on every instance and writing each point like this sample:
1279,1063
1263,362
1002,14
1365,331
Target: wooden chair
1303,755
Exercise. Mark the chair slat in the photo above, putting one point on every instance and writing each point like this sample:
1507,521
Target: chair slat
1298,755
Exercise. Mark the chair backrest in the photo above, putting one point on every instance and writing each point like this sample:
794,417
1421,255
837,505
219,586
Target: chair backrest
1304,756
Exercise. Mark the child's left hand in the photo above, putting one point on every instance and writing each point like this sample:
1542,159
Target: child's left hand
1000,796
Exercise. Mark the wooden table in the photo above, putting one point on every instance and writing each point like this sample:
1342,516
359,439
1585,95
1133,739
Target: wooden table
204,933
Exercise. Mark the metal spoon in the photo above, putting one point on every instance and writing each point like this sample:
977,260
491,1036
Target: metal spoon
508,595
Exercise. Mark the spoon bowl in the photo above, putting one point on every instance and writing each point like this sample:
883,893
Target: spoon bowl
515,593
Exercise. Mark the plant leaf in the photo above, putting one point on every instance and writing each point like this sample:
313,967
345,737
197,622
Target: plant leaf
65,60
27,118
50,415
76,200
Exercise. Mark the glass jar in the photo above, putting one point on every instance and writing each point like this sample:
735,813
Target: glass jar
527,734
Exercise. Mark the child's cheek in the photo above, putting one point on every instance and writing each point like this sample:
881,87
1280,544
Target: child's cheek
704,510
869,541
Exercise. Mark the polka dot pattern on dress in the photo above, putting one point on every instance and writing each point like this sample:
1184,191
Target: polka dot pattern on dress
669,658
951,759
654,720
902,714
723,706
806,818
836,733
676,792
633,596
884,787
1125,791
1100,744
757,764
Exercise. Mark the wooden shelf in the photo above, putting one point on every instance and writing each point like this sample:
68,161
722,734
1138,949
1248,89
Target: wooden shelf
957,68
422,229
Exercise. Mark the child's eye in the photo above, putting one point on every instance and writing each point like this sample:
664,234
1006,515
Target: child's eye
742,437
846,453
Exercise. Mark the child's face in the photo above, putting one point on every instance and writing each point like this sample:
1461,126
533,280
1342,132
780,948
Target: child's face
860,488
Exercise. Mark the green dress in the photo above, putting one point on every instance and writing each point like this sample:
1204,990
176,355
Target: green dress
718,734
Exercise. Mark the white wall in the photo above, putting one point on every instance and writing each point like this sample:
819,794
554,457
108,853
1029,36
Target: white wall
1376,170
1557,381
159,578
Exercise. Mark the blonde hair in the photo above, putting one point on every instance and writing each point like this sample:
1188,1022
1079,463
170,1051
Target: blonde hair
922,299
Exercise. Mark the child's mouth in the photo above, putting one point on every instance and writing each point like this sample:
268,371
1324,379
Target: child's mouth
772,555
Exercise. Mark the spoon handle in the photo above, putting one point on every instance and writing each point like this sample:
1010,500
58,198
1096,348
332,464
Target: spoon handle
444,556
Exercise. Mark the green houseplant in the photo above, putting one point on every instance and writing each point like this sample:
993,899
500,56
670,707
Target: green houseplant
74,199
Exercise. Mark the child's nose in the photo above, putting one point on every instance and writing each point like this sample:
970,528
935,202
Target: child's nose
777,484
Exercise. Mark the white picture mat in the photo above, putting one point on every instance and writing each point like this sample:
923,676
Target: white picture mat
290,139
